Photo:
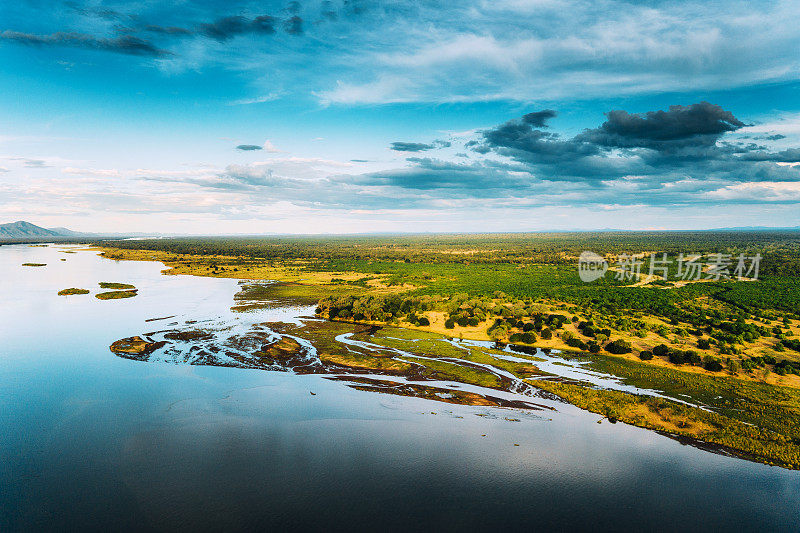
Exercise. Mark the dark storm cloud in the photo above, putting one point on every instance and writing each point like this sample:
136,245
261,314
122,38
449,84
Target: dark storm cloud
411,147
792,155
293,25
696,124
249,147
125,44
539,119
168,30
103,13
226,28
328,11
655,148
419,147
682,132
520,140
461,180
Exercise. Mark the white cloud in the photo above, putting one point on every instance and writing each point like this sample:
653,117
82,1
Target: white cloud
257,100
91,171
760,192
270,148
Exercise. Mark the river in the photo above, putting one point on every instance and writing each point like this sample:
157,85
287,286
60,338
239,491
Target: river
92,441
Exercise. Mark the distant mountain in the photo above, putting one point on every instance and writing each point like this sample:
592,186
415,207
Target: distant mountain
24,230
64,232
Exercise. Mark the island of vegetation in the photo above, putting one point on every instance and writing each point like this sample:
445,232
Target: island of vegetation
116,286
115,295
724,353
71,291
121,290
135,346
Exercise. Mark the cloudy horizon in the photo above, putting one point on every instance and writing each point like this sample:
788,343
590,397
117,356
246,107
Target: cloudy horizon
361,116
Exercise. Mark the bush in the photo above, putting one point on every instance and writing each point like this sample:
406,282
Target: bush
449,323
619,346
661,349
703,344
547,334
576,343
646,355
423,321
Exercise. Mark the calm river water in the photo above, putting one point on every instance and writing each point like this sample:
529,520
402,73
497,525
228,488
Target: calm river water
92,441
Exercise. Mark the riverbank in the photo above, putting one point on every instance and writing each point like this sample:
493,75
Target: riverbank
753,430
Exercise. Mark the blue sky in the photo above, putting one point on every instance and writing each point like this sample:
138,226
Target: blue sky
358,116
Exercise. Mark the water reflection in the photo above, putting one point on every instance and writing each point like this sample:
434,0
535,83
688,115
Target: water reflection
92,441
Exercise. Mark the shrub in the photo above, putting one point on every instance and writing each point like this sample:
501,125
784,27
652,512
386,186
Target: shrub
619,346
661,349
646,355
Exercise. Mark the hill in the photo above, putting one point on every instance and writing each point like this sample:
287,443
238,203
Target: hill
26,230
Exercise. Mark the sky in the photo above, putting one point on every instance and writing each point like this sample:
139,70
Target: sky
354,116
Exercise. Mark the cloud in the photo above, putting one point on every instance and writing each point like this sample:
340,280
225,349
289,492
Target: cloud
267,147
538,119
257,100
419,147
226,28
168,30
410,147
270,148
476,50
32,163
293,25
702,123
126,44
91,172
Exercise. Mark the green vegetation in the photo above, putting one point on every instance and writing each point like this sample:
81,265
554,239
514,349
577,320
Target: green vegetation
755,442
116,286
115,295
71,291
731,346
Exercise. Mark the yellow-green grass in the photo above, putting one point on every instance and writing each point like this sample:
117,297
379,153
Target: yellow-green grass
71,291
116,286
759,443
115,295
